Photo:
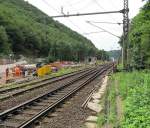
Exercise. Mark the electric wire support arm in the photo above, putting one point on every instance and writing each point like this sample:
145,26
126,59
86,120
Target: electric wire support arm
84,14
125,12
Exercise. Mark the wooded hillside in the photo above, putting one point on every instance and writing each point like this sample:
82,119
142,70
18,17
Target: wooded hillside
115,54
26,30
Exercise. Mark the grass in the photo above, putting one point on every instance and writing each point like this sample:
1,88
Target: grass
135,92
101,116
134,89
119,66
63,71
108,115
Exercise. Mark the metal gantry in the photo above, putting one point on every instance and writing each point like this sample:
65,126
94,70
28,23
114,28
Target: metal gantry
125,34
125,12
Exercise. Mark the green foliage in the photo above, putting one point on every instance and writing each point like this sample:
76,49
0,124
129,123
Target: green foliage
139,39
32,33
4,45
102,55
111,102
108,102
135,92
114,54
63,71
49,59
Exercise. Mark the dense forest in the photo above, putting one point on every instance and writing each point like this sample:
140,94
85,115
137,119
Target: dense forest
26,30
114,54
139,39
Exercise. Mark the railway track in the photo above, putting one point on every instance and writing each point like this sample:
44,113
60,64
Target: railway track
7,88
25,114
10,92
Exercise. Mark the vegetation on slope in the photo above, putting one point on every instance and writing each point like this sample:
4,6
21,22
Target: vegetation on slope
114,54
139,39
26,30
134,92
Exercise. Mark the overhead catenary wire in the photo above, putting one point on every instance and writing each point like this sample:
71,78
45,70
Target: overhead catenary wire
82,8
59,13
97,22
112,4
77,2
118,23
93,13
86,5
96,2
103,29
89,14
50,6
71,21
92,32
75,10
99,5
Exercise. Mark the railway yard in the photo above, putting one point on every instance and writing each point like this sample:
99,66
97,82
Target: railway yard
51,103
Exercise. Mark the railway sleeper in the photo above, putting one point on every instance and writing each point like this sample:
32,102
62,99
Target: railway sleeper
30,112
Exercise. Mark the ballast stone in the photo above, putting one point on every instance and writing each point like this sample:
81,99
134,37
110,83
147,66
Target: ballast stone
95,107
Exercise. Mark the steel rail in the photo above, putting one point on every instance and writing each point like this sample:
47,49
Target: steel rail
11,110
41,85
26,124
3,90
60,100
88,99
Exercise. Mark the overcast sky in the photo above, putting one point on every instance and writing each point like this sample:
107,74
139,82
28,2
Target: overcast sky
102,40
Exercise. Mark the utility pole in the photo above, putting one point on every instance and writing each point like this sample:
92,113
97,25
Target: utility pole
125,34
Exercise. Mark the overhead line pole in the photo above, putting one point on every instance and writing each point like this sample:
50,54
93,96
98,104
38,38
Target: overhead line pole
125,13
125,34
84,14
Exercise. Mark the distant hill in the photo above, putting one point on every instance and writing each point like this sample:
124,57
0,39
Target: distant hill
26,30
114,54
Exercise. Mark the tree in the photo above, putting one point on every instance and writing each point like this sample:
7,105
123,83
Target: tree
4,45
32,33
139,39
102,55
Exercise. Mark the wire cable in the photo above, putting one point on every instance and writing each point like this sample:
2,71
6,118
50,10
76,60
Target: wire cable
112,4
82,8
76,3
103,29
92,33
50,6
96,2
75,10
59,13
105,22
